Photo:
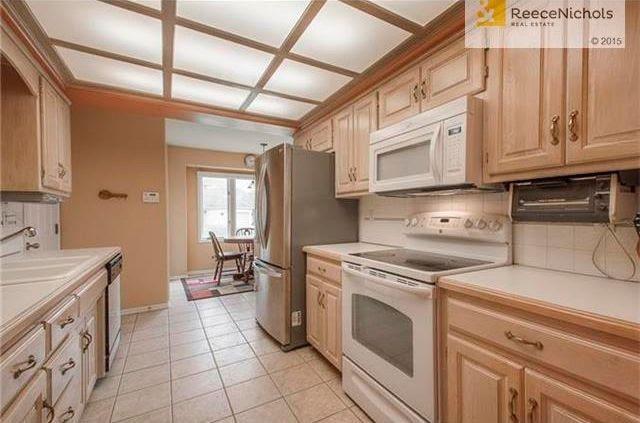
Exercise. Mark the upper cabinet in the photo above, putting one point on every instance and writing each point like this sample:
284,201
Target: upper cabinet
445,75
552,112
36,139
317,138
352,127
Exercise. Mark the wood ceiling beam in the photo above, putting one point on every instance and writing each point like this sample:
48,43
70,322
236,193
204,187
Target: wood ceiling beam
381,13
136,7
322,65
105,54
168,30
150,105
301,25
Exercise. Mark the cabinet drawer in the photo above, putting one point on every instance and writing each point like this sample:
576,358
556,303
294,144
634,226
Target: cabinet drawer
605,365
62,366
20,363
28,406
325,269
89,293
61,322
68,408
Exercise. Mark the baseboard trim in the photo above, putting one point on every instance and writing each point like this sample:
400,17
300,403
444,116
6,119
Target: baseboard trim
134,310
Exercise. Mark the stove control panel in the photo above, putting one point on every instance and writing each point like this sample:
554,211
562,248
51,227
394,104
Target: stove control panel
487,227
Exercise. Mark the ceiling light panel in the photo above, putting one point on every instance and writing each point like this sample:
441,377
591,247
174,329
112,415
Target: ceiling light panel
306,81
344,36
281,107
266,21
114,73
99,25
200,53
190,89
421,12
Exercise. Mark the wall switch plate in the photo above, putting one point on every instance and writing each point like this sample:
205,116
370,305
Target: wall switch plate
150,197
296,318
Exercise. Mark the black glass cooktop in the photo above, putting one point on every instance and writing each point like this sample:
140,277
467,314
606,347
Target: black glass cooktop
420,260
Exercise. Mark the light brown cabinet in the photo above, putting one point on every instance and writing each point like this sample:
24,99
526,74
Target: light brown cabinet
526,363
324,309
351,129
446,75
555,112
56,146
31,405
88,342
316,138
482,386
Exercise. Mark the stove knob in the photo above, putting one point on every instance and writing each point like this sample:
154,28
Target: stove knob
481,224
495,225
468,223
414,221
407,223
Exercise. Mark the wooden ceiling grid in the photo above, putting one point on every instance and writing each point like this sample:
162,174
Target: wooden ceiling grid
169,19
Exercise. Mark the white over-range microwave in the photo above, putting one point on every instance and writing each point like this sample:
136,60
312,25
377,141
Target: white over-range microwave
438,150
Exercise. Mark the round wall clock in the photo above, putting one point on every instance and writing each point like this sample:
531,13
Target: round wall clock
250,160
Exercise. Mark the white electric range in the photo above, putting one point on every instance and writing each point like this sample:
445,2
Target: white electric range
389,313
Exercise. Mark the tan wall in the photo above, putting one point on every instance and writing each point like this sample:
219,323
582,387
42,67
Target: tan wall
185,251
121,153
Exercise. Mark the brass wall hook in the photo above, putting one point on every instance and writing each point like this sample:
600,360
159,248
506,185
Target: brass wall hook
105,194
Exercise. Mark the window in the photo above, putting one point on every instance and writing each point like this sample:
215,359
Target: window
226,203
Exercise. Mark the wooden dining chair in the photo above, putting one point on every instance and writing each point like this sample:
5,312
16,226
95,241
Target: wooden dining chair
222,256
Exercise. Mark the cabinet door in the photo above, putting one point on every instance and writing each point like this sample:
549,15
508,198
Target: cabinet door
332,305
481,386
548,400
49,117
321,137
90,354
343,143
365,121
301,139
604,96
525,96
64,145
451,73
29,405
314,312
399,98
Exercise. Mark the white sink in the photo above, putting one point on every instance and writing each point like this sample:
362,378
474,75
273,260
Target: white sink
39,269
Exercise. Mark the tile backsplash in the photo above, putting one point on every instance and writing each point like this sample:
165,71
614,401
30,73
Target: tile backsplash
44,217
567,247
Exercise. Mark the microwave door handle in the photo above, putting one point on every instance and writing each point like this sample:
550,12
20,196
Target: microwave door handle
426,291
434,150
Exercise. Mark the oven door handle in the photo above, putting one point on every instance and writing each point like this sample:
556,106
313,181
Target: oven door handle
425,291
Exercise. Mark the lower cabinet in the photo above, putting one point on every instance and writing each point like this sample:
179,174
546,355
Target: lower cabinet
88,336
523,379
324,314
30,406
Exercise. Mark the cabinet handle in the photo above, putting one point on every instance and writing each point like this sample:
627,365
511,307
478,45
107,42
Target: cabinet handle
423,89
67,366
66,322
50,409
318,299
67,415
573,136
513,403
355,174
350,174
87,337
554,130
533,405
511,337
415,92
322,303
30,364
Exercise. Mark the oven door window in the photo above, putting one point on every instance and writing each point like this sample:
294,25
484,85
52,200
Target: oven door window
383,330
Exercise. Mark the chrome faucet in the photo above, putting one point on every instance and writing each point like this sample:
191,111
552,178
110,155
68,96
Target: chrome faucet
29,231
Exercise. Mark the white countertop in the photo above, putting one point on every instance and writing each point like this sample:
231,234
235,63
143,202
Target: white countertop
18,300
604,297
339,251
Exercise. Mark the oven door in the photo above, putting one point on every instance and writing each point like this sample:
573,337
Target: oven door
409,160
388,331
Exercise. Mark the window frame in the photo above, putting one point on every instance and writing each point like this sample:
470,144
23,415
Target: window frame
231,199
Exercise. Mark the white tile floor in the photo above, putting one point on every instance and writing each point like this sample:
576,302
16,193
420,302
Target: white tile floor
207,361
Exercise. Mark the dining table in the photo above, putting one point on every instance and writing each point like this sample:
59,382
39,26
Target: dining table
245,245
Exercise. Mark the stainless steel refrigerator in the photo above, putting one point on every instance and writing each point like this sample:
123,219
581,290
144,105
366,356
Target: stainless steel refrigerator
295,206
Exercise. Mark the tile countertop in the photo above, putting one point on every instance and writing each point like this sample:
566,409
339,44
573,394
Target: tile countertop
21,302
605,298
339,251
